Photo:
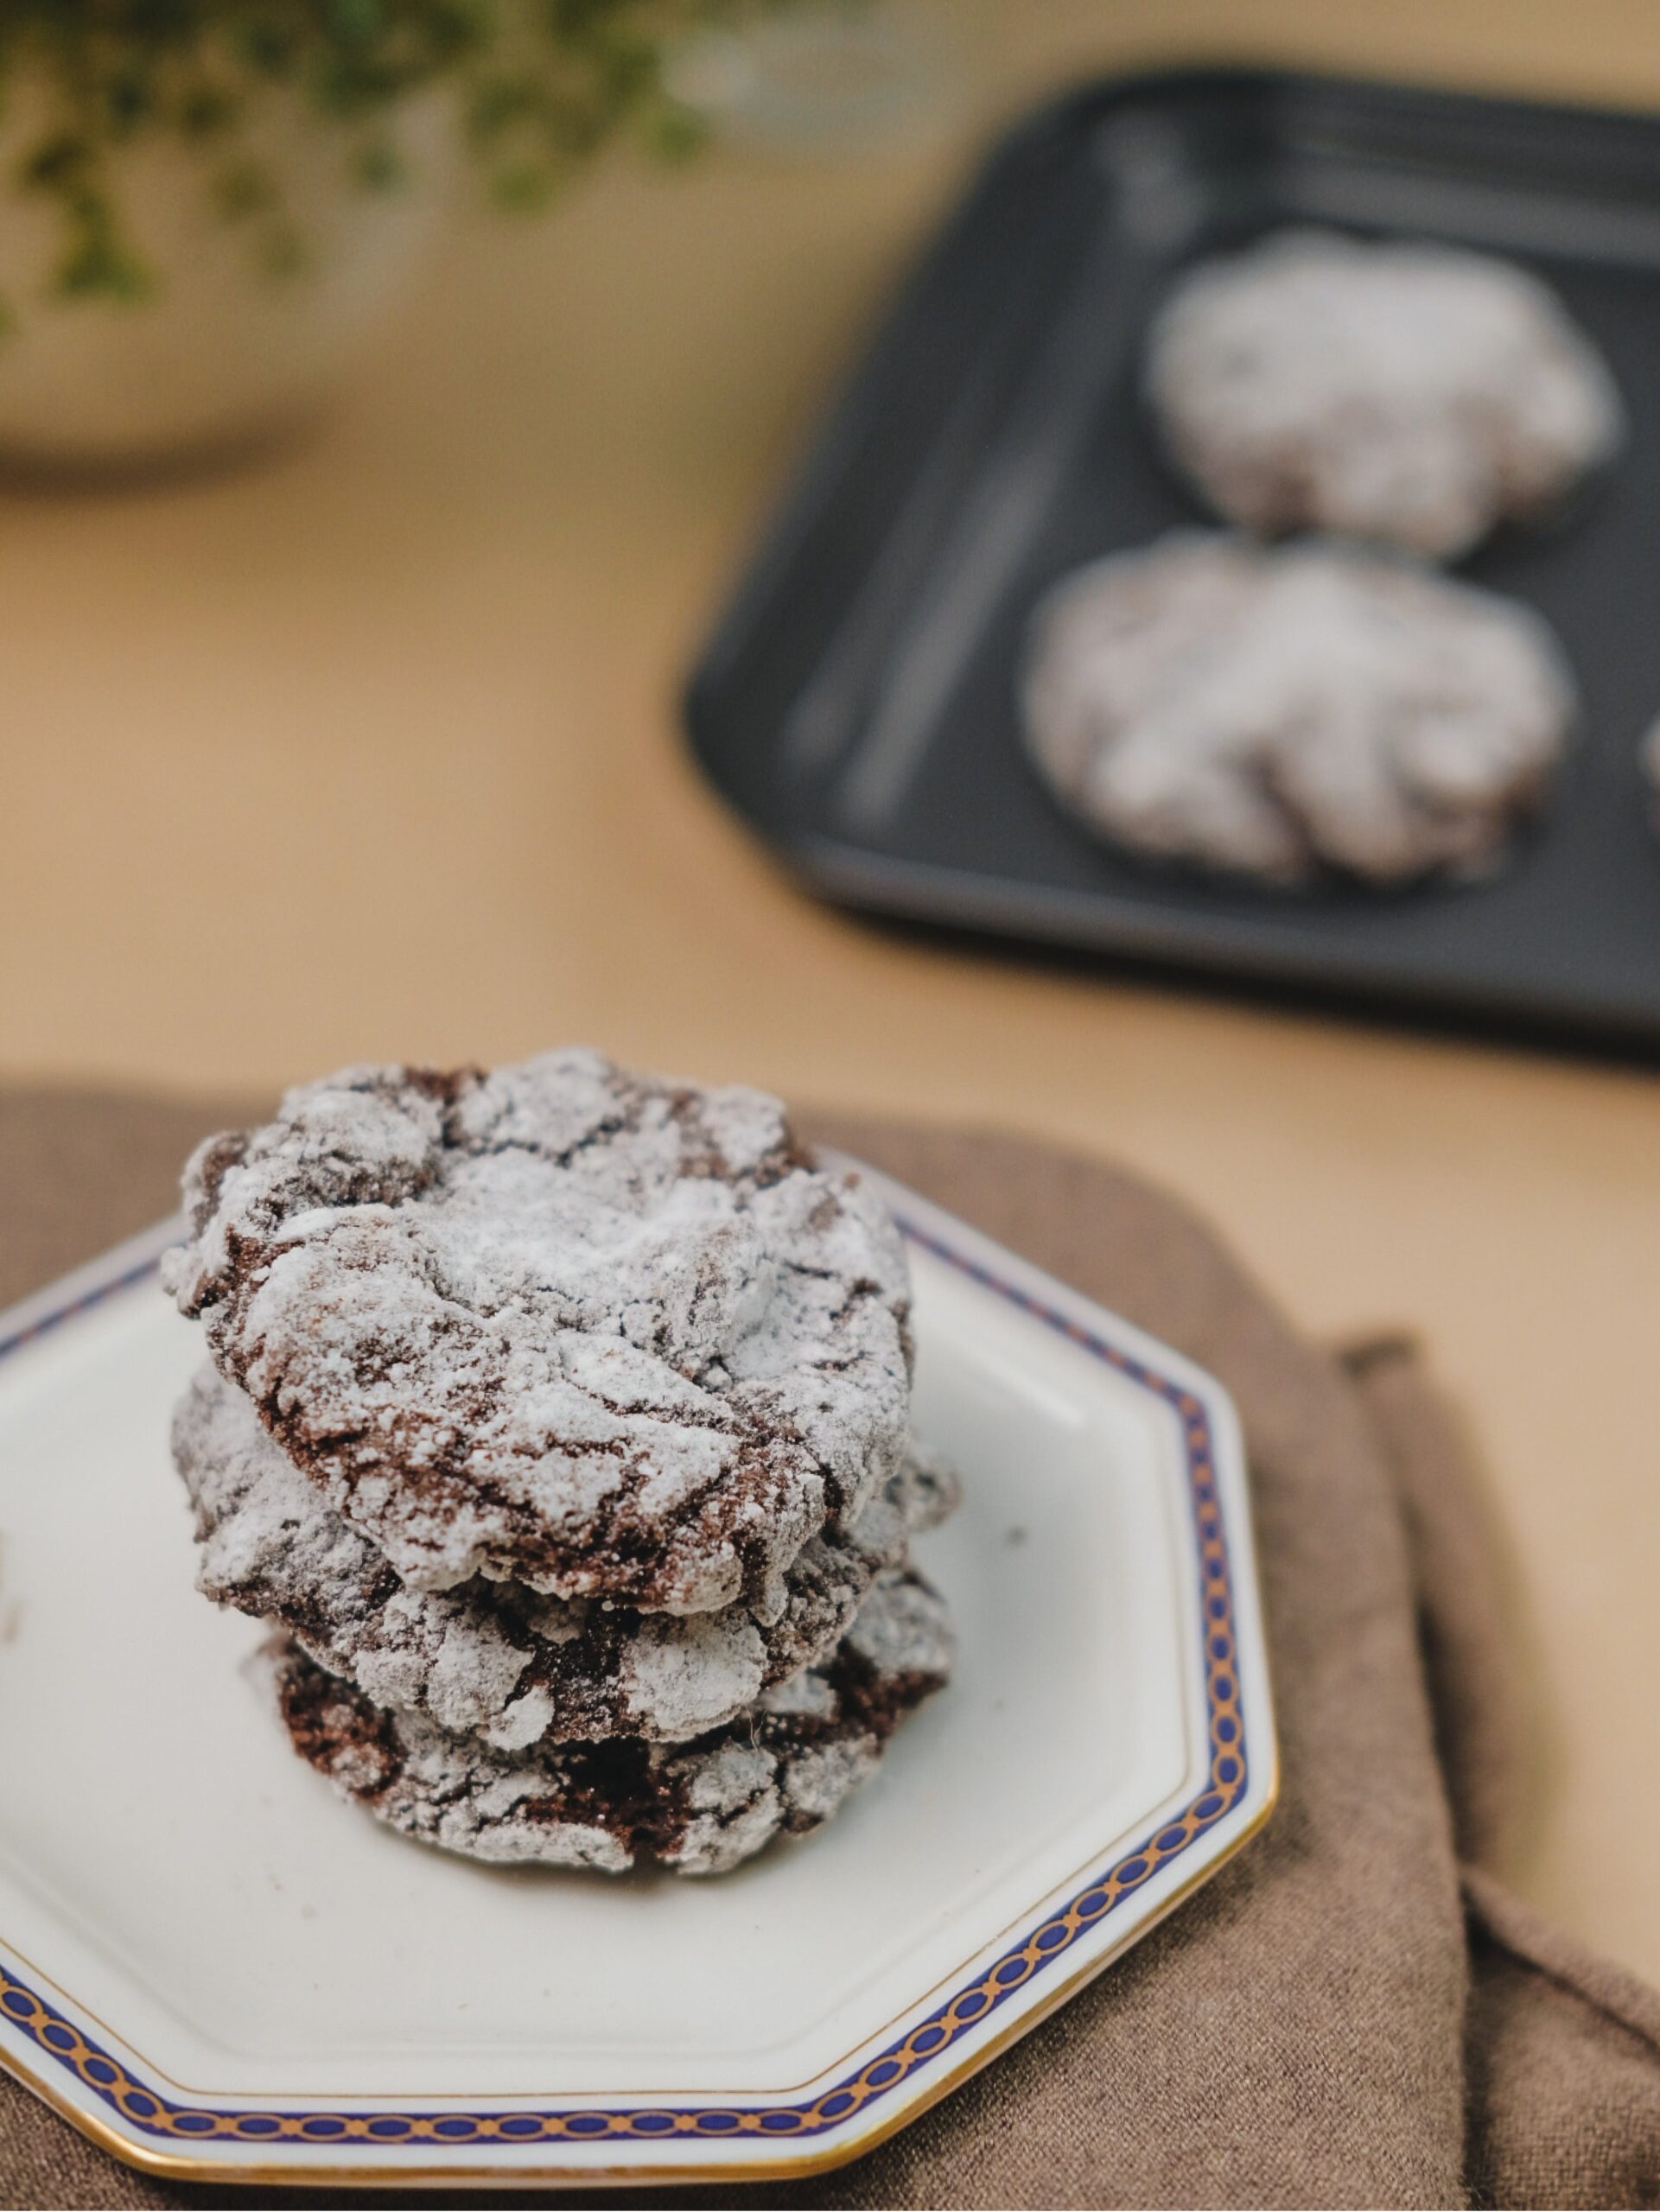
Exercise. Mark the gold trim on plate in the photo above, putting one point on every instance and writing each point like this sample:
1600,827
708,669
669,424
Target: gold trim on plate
133,2152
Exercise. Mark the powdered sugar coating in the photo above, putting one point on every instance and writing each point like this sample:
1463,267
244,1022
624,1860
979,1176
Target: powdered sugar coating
700,1808
492,1658
1413,394
604,1335
1278,711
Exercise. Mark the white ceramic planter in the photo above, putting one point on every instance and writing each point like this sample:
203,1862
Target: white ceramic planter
223,355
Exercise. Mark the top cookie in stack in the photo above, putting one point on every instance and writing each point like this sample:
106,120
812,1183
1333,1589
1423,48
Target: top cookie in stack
557,1403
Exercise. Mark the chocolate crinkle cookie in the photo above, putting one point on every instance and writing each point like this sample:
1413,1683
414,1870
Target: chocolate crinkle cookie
699,1807
1416,394
603,1335
1286,712
495,1659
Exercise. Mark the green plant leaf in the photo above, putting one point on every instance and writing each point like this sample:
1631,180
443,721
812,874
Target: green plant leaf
536,88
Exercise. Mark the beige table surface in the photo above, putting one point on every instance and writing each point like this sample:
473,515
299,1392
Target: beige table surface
370,751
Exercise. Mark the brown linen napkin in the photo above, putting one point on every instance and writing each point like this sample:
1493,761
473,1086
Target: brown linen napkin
1336,2019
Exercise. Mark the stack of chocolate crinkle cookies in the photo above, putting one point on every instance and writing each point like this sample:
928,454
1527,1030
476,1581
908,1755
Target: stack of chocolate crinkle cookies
558,1420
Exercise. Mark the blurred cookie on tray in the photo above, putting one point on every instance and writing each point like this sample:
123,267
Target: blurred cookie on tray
1285,713
1409,392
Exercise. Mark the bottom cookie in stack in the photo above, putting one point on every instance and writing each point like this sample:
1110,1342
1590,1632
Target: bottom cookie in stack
782,1768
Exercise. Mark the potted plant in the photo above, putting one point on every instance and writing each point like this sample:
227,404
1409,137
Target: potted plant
206,205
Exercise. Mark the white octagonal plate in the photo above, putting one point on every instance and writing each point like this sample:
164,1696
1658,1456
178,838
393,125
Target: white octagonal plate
215,1967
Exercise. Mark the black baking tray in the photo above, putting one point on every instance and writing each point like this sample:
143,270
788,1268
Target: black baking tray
856,703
